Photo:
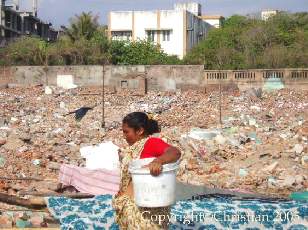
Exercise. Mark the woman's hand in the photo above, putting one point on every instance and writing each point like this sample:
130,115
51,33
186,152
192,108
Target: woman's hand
156,167
120,154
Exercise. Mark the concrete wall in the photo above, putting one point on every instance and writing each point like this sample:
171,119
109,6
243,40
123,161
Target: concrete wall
6,76
214,22
192,7
290,78
197,30
170,78
158,77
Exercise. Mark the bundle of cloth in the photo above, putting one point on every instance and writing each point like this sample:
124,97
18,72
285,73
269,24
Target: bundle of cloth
100,176
94,181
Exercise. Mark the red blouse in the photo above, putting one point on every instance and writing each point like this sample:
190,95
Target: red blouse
154,147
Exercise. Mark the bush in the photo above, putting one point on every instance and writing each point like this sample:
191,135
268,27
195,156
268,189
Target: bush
83,43
244,43
24,51
139,53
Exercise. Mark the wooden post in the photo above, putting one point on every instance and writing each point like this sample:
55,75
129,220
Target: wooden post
45,67
220,119
204,73
103,98
146,82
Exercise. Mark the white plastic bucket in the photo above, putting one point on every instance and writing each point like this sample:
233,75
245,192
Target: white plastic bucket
150,191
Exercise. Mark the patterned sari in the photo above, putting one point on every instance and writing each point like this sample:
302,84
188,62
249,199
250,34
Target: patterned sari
128,215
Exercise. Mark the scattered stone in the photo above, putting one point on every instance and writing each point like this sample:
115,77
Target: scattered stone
298,148
2,142
252,122
23,224
243,172
14,119
6,222
192,165
253,94
271,167
17,187
215,169
22,149
48,90
220,140
272,182
305,161
13,143
26,137
289,181
53,166
2,161
299,179
36,221
256,108
3,185
62,105
36,162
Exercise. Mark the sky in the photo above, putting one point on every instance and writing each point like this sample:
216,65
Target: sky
58,12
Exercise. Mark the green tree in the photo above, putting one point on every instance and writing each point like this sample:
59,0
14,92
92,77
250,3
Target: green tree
82,26
84,43
139,53
242,43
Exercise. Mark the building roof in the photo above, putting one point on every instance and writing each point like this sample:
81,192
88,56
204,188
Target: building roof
270,10
139,11
212,17
160,29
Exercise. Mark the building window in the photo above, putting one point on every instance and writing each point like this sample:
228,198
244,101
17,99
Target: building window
151,35
166,35
121,35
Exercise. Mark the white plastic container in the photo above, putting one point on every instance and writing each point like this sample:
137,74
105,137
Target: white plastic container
150,191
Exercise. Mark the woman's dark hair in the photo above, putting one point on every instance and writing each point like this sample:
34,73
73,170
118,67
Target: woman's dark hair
137,120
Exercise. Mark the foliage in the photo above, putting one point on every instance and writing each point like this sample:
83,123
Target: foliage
244,43
241,43
24,51
82,27
84,42
139,53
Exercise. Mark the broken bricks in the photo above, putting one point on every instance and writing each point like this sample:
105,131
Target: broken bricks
254,134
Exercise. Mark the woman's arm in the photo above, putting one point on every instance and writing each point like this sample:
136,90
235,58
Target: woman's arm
171,155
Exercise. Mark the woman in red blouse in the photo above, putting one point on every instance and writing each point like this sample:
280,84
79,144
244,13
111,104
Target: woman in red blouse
137,130
137,126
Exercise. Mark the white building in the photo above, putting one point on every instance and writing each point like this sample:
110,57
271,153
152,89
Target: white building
176,31
215,20
266,14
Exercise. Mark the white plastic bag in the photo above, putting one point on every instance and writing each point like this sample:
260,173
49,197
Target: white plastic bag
102,156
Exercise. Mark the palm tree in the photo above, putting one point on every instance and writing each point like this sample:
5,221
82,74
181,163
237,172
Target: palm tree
82,26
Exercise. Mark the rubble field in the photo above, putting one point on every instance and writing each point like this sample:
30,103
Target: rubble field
260,145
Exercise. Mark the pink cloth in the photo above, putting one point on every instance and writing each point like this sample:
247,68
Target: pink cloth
95,182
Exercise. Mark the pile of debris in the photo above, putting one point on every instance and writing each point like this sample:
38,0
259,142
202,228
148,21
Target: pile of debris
260,146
